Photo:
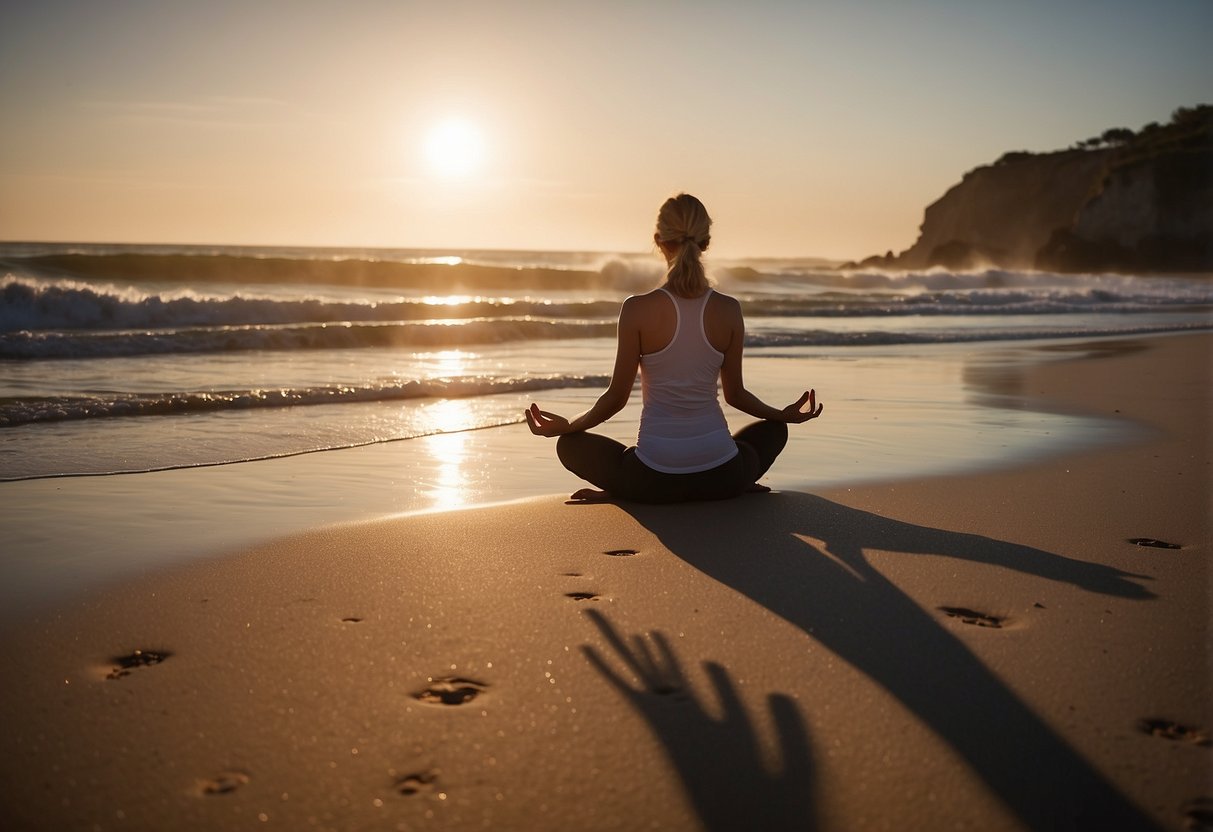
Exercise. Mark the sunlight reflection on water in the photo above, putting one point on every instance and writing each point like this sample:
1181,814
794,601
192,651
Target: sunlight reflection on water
446,487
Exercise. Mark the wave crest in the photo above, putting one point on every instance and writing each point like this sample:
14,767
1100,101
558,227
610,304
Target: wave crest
71,408
426,274
29,304
344,335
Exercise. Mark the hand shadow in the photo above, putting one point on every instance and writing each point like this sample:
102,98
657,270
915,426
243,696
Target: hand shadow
719,760
803,558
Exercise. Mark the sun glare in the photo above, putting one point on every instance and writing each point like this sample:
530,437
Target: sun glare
454,149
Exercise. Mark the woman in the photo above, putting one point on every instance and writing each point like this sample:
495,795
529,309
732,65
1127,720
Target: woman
683,337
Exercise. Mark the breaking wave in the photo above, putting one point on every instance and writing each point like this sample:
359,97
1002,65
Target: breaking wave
71,408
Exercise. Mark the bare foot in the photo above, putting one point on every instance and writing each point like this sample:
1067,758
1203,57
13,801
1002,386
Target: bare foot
757,488
589,495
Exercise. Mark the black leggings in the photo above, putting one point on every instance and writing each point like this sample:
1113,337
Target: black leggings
616,469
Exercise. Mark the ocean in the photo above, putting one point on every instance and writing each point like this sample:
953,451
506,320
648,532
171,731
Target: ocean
140,358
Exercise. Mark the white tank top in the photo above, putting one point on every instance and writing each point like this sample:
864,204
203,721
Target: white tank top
682,428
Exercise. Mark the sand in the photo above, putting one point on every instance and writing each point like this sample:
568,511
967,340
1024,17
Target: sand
984,651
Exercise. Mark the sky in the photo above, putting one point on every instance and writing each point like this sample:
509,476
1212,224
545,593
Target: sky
807,128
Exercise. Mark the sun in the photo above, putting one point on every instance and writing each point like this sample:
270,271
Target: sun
454,149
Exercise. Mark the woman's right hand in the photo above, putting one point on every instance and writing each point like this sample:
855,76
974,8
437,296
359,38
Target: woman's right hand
795,414
543,423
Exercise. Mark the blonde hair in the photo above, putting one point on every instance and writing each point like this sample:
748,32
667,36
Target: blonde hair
684,222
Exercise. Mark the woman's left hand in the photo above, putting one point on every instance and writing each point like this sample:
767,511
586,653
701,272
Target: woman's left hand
543,423
795,414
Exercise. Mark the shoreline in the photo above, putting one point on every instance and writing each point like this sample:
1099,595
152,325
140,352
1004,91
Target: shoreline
955,408
984,649
1032,350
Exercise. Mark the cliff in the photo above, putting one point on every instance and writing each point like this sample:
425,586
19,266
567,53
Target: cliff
1123,201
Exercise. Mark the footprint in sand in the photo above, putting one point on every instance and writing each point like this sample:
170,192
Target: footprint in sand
1198,815
1170,730
225,782
1155,544
450,690
621,553
978,619
123,665
422,782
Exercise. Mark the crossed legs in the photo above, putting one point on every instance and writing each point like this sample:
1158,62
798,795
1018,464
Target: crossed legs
614,468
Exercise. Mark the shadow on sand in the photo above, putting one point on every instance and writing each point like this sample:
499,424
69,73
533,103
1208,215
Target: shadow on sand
719,760
762,549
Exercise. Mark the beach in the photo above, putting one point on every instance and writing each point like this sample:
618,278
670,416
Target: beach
977,648
292,293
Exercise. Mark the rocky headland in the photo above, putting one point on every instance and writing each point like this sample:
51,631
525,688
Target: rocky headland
1123,201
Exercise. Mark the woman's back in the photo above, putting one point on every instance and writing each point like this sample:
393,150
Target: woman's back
659,318
682,427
